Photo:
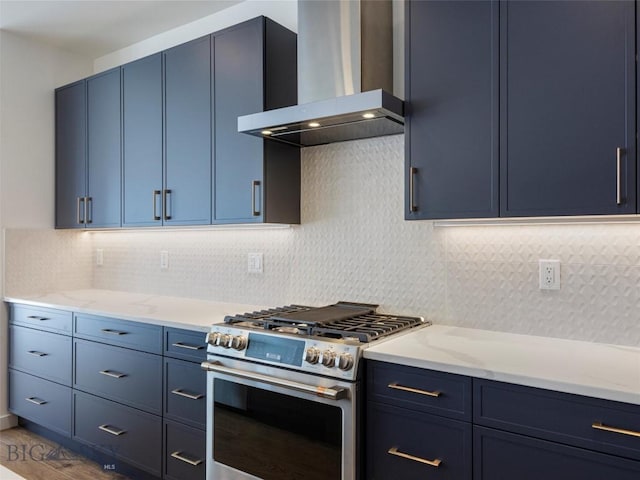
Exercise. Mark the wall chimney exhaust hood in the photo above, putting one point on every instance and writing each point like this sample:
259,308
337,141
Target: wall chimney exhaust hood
345,74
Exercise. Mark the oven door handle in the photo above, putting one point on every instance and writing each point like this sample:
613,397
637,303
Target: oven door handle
333,393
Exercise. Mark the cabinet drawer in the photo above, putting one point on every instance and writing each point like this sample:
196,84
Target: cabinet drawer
42,318
505,456
185,392
41,401
127,433
561,417
419,389
126,376
184,452
44,354
393,433
139,336
185,344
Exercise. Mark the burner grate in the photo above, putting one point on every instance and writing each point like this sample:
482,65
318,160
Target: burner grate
363,327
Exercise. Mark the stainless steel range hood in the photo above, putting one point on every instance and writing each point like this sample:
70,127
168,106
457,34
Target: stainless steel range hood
345,74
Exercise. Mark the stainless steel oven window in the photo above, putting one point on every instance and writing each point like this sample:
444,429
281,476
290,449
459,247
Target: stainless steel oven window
277,430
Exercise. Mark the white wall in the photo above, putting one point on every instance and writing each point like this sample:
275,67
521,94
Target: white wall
284,12
29,72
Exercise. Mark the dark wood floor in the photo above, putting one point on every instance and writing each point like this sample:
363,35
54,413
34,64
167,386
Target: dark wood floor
37,458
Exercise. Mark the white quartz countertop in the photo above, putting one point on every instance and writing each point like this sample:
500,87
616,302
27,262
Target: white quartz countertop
162,310
593,369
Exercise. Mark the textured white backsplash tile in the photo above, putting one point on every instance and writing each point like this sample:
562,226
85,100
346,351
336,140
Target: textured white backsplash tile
354,245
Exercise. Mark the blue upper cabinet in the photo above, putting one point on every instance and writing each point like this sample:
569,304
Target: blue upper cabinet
254,70
187,83
567,140
88,152
104,168
71,155
142,127
451,130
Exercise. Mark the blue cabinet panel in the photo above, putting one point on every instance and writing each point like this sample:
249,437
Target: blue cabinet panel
47,319
184,453
71,155
185,392
142,141
188,133
41,401
567,105
451,109
44,354
104,150
136,335
185,344
506,456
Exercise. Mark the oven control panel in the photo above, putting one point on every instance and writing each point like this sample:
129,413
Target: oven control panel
323,357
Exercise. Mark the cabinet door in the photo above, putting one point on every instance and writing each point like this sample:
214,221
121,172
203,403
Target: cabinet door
567,108
451,109
104,150
188,133
504,456
238,90
71,151
142,129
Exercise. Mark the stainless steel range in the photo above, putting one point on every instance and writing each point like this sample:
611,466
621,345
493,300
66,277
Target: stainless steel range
286,393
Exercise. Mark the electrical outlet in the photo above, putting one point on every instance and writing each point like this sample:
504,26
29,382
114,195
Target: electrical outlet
254,262
99,257
549,271
164,260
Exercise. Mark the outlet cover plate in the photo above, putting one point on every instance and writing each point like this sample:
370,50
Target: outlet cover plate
254,262
549,274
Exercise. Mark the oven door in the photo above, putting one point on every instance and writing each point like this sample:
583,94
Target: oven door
274,424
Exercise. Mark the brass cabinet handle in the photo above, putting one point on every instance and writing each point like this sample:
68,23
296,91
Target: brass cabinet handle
180,456
111,374
412,173
178,391
432,463
35,317
113,332
600,426
187,346
155,203
619,176
166,211
35,400
84,208
113,431
395,386
255,184
36,353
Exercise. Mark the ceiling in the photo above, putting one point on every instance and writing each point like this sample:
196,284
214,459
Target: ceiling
94,28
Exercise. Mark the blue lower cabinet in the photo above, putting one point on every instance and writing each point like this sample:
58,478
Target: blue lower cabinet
507,456
185,392
123,432
184,452
405,444
43,402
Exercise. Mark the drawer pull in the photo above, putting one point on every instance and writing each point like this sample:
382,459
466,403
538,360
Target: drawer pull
431,463
111,374
35,400
187,346
180,456
395,386
179,391
35,317
111,430
35,353
114,332
600,426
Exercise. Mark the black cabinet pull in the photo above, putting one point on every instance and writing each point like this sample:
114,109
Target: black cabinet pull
254,185
155,204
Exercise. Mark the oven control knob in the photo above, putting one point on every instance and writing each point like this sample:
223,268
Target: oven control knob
239,342
345,361
329,358
225,340
213,338
312,355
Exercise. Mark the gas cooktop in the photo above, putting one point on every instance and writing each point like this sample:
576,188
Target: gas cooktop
343,320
